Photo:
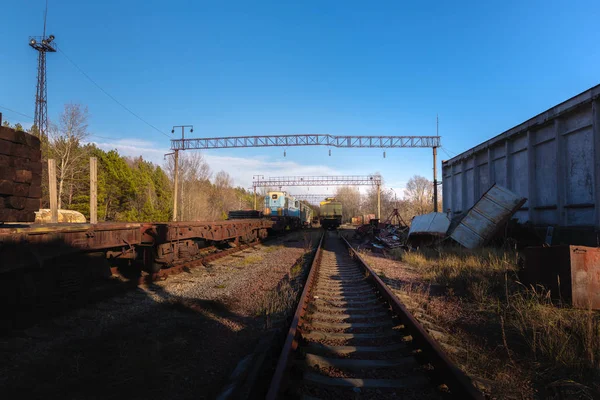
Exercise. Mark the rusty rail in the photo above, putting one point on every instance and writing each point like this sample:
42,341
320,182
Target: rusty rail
291,341
459,383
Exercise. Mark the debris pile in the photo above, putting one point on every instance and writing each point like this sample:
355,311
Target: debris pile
471,230
379,236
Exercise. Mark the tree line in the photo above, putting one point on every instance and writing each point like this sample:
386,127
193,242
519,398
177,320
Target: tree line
131,188
417,200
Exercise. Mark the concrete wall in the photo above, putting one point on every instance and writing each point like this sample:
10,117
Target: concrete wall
552,159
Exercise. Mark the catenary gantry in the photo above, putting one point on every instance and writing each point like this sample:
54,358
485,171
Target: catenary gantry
305,140
370,141
334,180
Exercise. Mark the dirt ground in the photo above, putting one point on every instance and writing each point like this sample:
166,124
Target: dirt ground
177,339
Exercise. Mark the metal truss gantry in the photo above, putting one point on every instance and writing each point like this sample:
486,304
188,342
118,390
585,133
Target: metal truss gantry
312,198
351,180
383,142
305,140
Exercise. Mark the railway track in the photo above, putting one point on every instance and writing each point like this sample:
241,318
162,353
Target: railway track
351,338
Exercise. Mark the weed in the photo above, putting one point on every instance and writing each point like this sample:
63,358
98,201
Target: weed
253,259
271,249
278,300
296,270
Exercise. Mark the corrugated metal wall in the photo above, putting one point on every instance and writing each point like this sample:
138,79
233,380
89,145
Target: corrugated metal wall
553,159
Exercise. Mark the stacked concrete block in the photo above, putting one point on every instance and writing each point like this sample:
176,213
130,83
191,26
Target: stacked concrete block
20,176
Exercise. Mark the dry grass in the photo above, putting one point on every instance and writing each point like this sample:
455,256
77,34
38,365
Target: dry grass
481,273
252,259
277,301
515,336
271,249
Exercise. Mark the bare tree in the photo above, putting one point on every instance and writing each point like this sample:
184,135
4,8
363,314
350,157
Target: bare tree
65,146
350,198
419,192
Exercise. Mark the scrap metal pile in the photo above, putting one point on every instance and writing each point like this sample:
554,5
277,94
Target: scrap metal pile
471,230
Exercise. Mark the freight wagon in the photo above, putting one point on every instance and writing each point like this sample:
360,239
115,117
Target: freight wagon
553,160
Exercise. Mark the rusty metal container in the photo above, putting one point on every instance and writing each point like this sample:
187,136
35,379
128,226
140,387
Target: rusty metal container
571,272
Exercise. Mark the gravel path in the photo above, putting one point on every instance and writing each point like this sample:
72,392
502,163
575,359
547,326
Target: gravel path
175,339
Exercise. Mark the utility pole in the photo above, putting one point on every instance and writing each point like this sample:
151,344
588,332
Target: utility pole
43,44
379,202
256,177
176,174
435,184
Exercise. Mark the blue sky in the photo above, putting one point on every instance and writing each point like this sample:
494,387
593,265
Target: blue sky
235,68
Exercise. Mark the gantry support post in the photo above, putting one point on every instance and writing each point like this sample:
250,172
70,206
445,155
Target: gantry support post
255,197
435,184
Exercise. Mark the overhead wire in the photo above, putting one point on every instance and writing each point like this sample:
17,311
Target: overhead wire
111,96
30,117
19,113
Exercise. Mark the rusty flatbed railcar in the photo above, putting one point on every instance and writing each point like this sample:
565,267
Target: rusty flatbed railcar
166,243
24,245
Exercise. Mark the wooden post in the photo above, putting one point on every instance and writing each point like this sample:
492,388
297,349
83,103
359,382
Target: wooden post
93,190
176,183
52,190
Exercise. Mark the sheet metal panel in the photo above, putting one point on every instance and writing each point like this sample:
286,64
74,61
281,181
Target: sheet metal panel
431,224
585,277
489,213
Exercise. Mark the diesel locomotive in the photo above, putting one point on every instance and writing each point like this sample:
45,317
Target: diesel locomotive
331,213
286,212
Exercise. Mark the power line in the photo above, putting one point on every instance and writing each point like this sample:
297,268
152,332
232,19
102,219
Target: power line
109,95
16,112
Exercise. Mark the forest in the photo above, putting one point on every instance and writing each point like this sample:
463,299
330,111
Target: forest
131,189
135,190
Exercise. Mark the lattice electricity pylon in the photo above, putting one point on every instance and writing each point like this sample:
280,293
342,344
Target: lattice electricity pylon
305,140
43,44
370,180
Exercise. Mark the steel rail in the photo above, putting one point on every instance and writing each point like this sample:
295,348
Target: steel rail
459,383
291,341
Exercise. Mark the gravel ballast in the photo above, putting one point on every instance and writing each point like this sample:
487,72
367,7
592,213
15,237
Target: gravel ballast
177,339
